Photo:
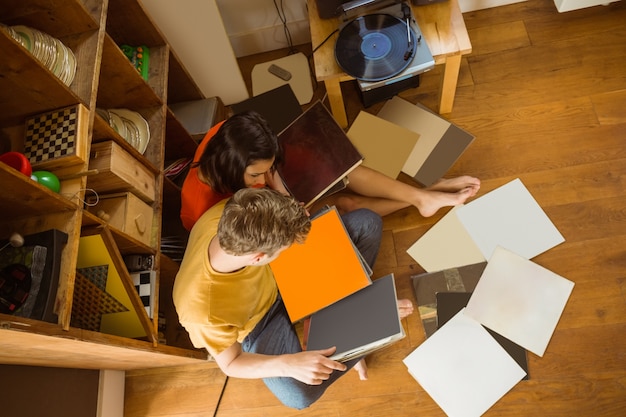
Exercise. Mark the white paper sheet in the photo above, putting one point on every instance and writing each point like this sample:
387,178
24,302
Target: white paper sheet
509,216
463,368
519,299
446,245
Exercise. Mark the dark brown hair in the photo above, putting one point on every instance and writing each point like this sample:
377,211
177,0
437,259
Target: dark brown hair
242,140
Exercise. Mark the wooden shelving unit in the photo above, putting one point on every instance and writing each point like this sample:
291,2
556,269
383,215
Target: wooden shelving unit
105,78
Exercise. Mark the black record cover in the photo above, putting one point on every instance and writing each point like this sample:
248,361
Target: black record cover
279,106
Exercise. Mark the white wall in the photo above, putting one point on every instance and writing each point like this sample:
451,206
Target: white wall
254,26
568,5
195,31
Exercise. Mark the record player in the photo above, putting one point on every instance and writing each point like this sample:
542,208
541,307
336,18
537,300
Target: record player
381,45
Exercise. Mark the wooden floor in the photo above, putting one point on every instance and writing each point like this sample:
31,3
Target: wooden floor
545,95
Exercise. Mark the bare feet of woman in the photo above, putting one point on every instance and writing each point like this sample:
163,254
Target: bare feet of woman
447,193
452,185
361,368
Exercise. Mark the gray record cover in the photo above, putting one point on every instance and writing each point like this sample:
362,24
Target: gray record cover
360,323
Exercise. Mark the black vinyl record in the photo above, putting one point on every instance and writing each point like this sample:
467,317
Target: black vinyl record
375,47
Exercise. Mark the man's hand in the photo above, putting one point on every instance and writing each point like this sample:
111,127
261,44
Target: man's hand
312,367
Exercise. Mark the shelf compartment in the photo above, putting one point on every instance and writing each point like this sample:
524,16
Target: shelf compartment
118,263
120,84
37,201
103,132
180,85
183,145
60,18
28,85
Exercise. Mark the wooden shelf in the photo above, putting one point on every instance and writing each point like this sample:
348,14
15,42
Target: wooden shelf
121,86
44,15
28,85
24,198
104,78
184,146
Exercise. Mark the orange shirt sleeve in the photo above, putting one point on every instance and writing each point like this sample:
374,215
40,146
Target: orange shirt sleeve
196,196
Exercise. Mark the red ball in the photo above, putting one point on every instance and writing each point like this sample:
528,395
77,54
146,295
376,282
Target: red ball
17,161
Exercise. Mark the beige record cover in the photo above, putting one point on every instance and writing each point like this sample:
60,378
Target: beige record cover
385,146
446,245
429,126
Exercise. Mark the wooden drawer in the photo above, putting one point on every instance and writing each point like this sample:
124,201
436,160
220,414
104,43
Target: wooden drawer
125,212
119,171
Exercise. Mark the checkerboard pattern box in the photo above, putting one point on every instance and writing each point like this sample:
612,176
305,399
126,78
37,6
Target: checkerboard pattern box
144,283
57,138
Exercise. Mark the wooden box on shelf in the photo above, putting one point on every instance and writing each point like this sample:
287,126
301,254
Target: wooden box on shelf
58,138
125,212
118,170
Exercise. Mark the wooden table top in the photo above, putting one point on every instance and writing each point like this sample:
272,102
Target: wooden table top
442,26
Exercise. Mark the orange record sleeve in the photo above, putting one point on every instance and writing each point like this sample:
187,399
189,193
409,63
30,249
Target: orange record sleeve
321,271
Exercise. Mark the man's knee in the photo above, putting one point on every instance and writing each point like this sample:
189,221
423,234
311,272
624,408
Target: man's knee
294,394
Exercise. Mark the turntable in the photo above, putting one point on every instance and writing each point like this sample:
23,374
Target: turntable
381,45
442,27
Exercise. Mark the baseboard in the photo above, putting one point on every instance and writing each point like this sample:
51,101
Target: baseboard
473,5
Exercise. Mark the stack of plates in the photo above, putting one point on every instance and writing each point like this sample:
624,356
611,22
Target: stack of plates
52,53
130,125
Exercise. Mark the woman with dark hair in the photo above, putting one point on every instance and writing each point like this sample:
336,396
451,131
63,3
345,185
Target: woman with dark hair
243,152
238,153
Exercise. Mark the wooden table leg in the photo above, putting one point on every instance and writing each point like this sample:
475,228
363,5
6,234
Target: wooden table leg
335,98
448,83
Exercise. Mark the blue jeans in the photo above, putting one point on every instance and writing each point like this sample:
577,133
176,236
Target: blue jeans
275,335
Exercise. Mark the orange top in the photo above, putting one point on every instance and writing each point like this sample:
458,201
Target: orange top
196,196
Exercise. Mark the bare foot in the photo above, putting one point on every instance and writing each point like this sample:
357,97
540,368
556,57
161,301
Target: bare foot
405,308
452,185
431,201
361,368
446,193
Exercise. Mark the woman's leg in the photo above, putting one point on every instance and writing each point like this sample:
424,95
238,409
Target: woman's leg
384,195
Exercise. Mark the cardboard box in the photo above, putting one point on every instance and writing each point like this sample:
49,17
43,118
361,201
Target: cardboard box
125,212
198,116
119,171
57,138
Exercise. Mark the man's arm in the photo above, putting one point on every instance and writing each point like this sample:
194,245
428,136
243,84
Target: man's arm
309,367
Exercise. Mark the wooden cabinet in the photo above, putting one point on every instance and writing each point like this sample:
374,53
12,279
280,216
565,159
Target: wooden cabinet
105,78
